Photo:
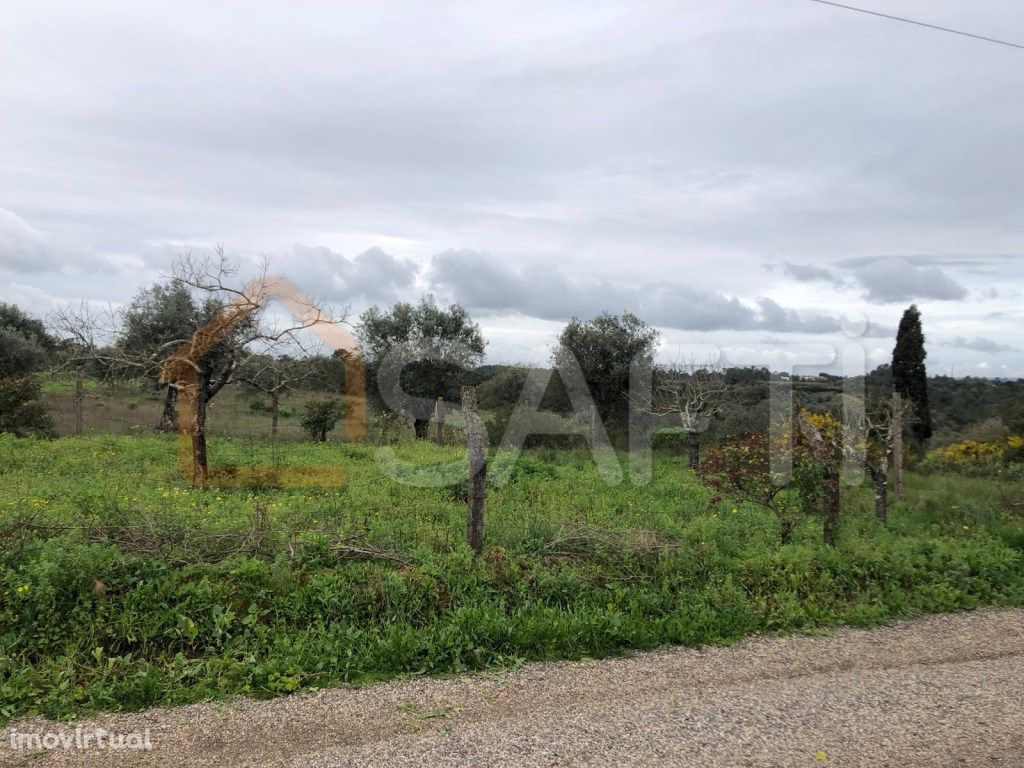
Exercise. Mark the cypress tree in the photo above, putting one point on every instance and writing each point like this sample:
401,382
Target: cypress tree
909,377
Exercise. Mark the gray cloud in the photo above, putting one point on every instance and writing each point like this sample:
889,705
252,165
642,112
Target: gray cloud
371,276
978,344
23,249
485,284
671,149
807,273
894,279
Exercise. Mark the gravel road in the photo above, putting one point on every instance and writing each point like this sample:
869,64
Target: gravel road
942,691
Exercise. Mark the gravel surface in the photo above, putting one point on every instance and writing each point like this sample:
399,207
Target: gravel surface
942,691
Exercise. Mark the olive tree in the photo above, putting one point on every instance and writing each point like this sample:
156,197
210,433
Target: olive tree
605,348
436,344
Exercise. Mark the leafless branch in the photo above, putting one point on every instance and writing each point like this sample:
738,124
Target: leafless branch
694,391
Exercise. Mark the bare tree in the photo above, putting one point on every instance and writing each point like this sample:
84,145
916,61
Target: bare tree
884,436
82,330
692,394
274,376
239,323
129,344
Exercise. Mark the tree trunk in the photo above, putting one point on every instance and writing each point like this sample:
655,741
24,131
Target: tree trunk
476,447
168,417
200,467
693,450
879,478
79,399
896,441
422,428
275,410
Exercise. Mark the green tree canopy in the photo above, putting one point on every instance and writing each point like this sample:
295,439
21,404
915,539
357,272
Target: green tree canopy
438,343
25,345
604,348
909,376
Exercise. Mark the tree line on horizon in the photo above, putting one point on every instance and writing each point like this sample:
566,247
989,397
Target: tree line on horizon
446,347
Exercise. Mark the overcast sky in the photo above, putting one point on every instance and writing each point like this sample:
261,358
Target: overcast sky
742,174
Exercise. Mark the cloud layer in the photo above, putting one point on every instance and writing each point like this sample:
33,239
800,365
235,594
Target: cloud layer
652,156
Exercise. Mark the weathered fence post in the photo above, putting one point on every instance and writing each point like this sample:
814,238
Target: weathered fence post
896,425
477,450
79,398
833,501
439,418
275,406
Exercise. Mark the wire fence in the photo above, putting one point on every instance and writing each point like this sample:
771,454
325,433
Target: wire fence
235,412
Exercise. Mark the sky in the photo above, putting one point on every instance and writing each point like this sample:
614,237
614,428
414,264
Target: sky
768,182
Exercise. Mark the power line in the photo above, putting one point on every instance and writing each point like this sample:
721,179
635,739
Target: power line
920,23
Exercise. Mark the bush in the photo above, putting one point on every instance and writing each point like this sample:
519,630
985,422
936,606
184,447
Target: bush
322,416
543,429
974,458
386,428
742,469
21,413
671,439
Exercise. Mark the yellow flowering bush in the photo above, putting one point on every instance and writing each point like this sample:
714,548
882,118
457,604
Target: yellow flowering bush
974,457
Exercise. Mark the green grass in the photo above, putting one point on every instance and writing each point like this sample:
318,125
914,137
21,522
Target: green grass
122,588
135,408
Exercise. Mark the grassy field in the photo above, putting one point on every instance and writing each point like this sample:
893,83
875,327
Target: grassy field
135,409
121,588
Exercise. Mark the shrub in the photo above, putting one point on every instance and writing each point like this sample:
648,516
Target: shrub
742,469
21,413
386,427
971,457
322,416
670,439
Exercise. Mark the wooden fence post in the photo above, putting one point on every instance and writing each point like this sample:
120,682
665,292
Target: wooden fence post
79,399
477,449
275,405
833,501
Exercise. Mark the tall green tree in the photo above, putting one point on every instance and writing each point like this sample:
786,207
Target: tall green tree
604,348
909,376
437,345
